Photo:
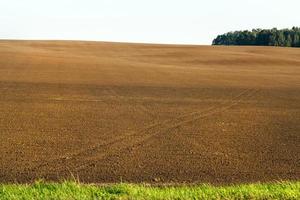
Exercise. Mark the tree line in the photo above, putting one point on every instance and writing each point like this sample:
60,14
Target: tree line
261,37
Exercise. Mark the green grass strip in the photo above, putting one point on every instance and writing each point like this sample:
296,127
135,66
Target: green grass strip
72,190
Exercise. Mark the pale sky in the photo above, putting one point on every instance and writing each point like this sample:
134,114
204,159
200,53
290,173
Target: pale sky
151,21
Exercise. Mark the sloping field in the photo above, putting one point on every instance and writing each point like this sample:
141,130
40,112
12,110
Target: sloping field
111,112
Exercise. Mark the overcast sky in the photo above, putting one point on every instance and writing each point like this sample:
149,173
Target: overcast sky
151,21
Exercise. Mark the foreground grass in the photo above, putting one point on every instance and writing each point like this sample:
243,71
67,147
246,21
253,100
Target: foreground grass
72,190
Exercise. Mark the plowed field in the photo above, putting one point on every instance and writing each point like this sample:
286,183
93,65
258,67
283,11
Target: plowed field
111,112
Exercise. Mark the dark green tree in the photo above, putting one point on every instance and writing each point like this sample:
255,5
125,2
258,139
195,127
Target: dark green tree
261,37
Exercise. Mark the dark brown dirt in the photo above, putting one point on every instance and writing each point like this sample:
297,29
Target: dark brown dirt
110,112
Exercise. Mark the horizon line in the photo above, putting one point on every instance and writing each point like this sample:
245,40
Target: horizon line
104,41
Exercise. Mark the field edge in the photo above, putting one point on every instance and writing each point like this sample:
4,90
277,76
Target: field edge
75,190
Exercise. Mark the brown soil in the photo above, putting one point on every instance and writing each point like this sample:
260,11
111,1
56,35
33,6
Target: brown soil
111,112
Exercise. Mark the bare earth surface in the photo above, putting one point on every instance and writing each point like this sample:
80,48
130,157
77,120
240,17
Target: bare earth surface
111,112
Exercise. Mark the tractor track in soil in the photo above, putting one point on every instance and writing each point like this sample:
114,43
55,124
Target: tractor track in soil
117,145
